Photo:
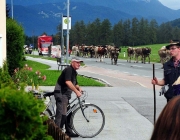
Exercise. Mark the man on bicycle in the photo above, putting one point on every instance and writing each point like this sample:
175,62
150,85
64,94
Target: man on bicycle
66,83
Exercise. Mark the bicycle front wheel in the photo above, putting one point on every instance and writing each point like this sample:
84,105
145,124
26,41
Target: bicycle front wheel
95,123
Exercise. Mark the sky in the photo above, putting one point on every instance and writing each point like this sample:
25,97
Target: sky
173,4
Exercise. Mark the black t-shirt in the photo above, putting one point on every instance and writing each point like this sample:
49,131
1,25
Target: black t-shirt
68,74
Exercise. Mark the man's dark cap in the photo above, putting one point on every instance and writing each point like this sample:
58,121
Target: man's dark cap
173,42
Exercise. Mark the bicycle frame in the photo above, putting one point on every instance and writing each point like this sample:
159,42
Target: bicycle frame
72,108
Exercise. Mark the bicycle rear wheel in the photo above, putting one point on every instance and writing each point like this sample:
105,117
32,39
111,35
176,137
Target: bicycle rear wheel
48,113
96,122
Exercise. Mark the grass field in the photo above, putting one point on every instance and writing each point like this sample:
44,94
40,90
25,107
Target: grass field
52,75
154,57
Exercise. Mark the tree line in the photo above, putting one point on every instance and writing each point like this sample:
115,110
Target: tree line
124,33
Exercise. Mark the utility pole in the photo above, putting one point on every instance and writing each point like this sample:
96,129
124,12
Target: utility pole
62,40
33,42
12,8
67,48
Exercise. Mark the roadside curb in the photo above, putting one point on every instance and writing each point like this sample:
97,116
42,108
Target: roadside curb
97,79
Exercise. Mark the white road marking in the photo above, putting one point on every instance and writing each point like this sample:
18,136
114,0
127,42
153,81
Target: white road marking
125,72
135,66
121,64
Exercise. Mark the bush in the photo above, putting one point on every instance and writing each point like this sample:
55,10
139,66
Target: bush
20,115
20,112
5,78
15,42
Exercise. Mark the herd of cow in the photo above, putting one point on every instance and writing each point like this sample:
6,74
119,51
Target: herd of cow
143,52
100,52
108,51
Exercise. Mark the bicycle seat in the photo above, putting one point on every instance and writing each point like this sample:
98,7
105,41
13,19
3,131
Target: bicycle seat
48,94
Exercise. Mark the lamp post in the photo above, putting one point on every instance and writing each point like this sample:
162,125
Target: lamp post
62,40
12,8
67,48
33,43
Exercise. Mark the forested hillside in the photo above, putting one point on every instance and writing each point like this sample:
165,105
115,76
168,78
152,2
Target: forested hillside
125,33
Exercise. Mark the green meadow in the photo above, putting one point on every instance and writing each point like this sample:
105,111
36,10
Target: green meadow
154,57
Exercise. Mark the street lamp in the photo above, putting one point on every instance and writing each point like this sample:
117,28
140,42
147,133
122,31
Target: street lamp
12,8
67,48
62,37
62,40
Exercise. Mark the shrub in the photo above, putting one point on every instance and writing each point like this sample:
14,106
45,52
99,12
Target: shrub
5,78
27,76
15,42
20,112
20,115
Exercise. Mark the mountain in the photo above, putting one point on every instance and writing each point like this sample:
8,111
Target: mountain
44,15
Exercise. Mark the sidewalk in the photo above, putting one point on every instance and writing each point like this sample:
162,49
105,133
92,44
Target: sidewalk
127,102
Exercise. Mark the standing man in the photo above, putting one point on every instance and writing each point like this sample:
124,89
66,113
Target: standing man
171,70
66,84
49,50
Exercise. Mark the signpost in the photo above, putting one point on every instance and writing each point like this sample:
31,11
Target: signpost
66,25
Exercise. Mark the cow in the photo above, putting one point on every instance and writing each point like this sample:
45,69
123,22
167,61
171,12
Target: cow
137,53
85,50
164,54
114,53
130,54
146,51
92,51
81,50
100,51
75,50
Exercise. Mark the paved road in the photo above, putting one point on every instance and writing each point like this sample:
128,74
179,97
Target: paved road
127,103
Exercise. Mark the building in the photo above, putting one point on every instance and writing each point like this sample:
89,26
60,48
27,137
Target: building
2,31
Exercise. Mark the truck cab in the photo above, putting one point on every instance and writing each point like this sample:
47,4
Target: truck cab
44,43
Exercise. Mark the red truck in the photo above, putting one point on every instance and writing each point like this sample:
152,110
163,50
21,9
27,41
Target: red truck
44,42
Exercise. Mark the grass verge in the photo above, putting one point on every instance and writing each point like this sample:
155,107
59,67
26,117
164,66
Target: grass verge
52,75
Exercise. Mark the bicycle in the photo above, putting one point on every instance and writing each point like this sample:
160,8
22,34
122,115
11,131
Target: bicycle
87,119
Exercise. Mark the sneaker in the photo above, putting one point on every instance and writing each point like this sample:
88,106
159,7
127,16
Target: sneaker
72,135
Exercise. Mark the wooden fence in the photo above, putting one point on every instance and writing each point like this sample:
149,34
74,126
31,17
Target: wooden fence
56,132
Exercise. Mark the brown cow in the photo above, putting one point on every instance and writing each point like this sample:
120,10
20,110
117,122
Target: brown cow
101,51
114,53
130,54
137,53
164,54
146,51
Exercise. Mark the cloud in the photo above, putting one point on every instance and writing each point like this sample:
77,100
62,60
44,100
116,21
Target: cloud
74,7
173,4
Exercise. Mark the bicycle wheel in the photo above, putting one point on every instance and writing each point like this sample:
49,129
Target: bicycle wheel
48,113
96,122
